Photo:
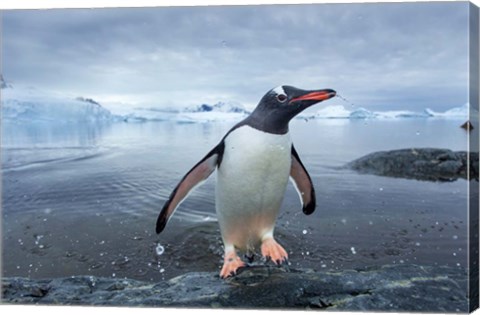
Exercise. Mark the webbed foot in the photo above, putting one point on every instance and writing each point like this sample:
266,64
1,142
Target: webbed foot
274,251
230,265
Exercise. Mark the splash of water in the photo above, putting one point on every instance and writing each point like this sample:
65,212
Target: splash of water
345,100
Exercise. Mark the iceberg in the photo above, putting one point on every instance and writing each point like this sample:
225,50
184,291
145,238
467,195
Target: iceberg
221,111
401,114
213,116
340,112
140,114
335,111
20,104
362,113
30,104
456,112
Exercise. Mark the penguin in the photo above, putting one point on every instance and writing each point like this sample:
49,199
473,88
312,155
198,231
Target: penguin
254,161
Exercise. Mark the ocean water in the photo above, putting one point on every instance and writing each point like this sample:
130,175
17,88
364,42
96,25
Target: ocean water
83,199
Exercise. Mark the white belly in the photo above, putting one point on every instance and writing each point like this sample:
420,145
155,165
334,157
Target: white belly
251,183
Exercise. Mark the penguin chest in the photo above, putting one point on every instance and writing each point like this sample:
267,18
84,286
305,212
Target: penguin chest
251,182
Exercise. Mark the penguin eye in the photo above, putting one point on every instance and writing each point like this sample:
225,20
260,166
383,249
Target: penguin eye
281,98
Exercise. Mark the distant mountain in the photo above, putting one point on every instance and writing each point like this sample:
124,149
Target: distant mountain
224,107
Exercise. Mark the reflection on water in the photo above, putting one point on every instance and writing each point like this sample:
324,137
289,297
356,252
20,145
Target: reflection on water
83,199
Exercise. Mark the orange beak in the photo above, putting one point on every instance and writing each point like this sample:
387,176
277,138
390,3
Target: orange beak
316,96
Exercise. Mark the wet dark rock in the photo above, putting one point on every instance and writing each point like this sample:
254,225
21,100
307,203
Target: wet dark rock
419,163
392,288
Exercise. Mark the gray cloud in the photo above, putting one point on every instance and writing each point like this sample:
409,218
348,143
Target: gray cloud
410,55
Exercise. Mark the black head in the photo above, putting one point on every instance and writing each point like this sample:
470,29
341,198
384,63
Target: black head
281,104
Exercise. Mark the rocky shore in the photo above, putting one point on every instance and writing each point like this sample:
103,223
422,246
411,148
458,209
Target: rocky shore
419,163
387,288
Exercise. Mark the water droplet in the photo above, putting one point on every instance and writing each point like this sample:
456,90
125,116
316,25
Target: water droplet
454,254
417,244
455,237
353,250
417,133
370,222
162,270
159,249
102,242
38,238
113,275
344,221
381,189
304,232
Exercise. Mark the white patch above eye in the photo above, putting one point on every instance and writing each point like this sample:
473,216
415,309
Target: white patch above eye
279,90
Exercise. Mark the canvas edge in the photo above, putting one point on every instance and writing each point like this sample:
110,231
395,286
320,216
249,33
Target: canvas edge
473,143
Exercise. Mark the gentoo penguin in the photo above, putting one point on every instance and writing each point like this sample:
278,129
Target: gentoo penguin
254,161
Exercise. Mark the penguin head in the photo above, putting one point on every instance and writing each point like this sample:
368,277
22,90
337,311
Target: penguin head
281,104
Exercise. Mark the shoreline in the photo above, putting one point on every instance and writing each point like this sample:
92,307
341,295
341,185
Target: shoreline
391,287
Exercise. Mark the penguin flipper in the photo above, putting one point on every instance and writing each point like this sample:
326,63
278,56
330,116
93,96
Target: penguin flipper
195,177
303,183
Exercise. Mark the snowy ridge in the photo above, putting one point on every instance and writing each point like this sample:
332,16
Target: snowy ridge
30,104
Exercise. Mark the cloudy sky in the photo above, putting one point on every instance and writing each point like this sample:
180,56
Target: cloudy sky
378,56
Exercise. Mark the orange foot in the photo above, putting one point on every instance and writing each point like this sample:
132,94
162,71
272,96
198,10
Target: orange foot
274,251
231,264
